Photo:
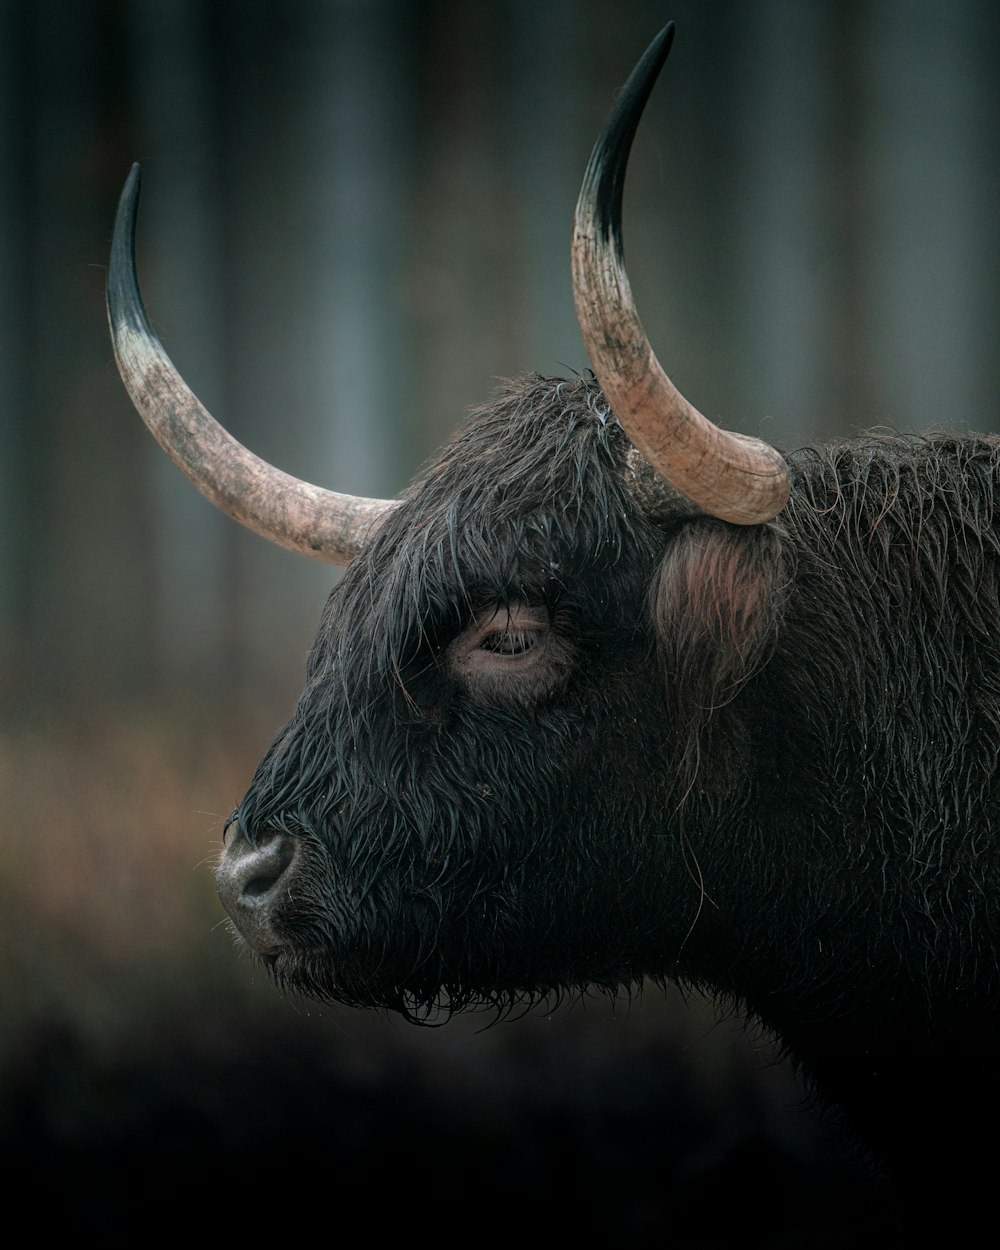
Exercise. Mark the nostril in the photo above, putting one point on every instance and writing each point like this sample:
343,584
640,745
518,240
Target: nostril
259,885
264,866
248,880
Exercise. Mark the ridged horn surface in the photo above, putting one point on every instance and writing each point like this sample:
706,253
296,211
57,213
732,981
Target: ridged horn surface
307,519
726,475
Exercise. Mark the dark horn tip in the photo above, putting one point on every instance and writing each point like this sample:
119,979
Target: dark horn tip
124,301
604,179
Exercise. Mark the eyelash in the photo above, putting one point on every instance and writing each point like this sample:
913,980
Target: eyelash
509,642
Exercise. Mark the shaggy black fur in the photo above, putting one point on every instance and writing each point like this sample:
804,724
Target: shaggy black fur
761,762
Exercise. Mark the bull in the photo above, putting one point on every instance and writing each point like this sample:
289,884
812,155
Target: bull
611,694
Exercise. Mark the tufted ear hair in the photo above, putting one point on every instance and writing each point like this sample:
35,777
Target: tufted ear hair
717,601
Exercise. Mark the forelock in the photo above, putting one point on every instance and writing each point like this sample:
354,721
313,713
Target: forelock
530,487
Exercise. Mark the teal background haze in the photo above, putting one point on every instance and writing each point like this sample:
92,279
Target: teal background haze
355,218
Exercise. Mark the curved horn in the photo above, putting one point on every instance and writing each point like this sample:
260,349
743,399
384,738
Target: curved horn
308,519
729,476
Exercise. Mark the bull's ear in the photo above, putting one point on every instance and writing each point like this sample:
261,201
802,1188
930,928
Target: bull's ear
717,603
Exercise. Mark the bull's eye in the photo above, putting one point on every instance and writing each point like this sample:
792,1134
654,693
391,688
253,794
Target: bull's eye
511,652
508,631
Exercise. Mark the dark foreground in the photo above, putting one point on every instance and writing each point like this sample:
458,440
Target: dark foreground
633,1150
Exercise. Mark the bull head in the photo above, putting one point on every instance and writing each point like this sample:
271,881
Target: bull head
445,790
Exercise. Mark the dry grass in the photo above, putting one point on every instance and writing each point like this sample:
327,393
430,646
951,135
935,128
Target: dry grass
111,830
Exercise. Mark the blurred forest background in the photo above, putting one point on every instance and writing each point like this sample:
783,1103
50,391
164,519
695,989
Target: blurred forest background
355,217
